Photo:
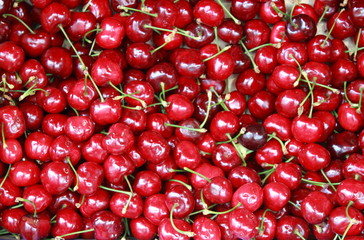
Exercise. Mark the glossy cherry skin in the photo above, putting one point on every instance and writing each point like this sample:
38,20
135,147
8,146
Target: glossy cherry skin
349,118
182,196
58,61
66,199
250,195
166,231
301,28
331,5
188,62
307,129
155,208
288,225
57,177
10,219
226,157
34,44
139,55
222,124
11,56
39,196
343,143
314,157
347,192
67,221
343,27
339,221
244,9
33,115
9,192
209,12
112,33
80,24
249,82
35,227
118,205
24,173
90,177
161,73
315,207
261,104
37,146
55,15
257,33
153,147
105,70
219,190
143,229
11,152
206,228
13,121
276,195
230,32
269,224
352,167
243,223
107,225
79,128
147,183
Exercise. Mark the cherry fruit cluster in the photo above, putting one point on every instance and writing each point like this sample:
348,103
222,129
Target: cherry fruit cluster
182,119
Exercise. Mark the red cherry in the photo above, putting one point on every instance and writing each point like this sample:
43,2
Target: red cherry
55,15
243,223
11,56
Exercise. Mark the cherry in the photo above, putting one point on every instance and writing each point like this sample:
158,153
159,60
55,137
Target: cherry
186,154
288,173
249,82
37,146
112,33
53,124
209,12
314,157
38,198
105,112
188,62
219,190
206,228
343,143
291,227
140,55
226,157
143,229
168,231
267,226
199,35
134,119
250,195
10,219
243,223
230,32
147,183
278,33
56,177
224,125
315,207
347,192
81,23
276,195
66,199
160,73
261,104
257,33
126,206
95,202
344,70
54,16
67,221
38,226
57,61
341,24
33,115
180,201
11,56
244,9
153,147
105,71
79,128
155,208
348,220
345,113
107,225
351,168
302,27
327,8
272,11
24,173
89,177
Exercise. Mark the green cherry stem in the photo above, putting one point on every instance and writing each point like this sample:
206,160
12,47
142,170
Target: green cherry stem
125,208
19,199
255,67
274,136
209,100
327,179
207,211
201,130
116,190
217,54
182,183
5,15
332,28
236,21
74,233
323,14
356,44
234,139
75,188
127,9
187,233
6,176
197,173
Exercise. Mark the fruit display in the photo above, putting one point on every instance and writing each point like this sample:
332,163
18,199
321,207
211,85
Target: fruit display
182,119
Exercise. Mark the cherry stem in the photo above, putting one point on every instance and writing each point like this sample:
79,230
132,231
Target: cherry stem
182,183
240,149
179,31
294,204
351,220
3,136
356,44
144,105
331,29
197,173
116,190
75,188
255,67
234,139
167,40
188,233
201,130
217,54
259,47
310,94
360,100
5,15
291,16
207,211
6,176
125,208
261,225
268,173
127,228
19,199
201,211
327,179
279,12
126,9
236,21
84,68
297,232
83,197
274,136
89,32
74,233
17,206
320,184
220,101
216,38
209,100
323,14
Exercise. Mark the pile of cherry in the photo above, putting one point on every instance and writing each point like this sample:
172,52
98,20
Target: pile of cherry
181,119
